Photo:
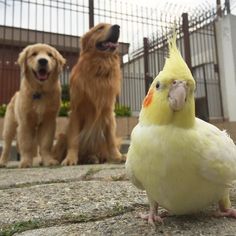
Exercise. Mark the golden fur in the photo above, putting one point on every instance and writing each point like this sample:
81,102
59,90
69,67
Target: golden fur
31,113
94,85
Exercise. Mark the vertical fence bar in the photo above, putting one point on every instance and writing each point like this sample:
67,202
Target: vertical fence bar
4,70
146,63
218,8
91,13
206,94
218,73
187,51
227,6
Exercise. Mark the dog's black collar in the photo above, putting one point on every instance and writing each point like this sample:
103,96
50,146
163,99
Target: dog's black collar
37,96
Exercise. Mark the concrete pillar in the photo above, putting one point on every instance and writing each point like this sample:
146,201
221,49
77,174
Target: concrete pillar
226,38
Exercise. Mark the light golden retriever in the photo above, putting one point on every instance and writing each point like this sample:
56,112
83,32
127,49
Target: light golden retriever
94,86
31,113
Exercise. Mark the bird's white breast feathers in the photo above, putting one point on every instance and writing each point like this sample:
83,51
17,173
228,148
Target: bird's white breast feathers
171,163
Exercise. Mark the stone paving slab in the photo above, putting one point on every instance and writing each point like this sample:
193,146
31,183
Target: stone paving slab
130,224
20,177
88,200
13,176
112,174
60,200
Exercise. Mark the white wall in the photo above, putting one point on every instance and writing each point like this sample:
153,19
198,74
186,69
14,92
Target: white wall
226,42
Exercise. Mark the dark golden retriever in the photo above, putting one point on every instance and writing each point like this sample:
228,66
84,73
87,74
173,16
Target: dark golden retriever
94,85
32,111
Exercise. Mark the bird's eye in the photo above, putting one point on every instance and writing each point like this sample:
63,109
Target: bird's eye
158,85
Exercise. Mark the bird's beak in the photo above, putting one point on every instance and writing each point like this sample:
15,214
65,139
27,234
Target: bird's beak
177,95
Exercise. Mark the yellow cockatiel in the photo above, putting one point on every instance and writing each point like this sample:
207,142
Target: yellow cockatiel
183,163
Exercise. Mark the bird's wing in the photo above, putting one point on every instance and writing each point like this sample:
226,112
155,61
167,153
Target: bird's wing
217,153
132,156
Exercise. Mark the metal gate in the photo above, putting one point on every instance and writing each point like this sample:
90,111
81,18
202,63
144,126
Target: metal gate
205,70
197,43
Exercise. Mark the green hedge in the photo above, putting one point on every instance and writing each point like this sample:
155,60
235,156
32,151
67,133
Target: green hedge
3,108
65,92
65,107
120,110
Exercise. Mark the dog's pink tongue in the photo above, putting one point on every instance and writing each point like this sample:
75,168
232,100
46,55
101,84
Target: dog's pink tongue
111,45
42,76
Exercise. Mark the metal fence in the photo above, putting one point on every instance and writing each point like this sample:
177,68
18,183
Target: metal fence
143,47
197,42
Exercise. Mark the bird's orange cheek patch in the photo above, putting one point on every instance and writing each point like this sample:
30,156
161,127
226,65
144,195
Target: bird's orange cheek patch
148,99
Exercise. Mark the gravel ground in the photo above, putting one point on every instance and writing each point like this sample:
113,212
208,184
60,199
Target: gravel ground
88,200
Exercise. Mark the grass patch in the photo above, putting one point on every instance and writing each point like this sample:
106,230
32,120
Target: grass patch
89,174
20,227
118,209
119,177
36,183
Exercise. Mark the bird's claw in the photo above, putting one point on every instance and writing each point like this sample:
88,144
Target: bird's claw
226,213
151,218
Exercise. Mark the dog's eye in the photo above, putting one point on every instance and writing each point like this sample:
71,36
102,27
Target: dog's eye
34,54
50,54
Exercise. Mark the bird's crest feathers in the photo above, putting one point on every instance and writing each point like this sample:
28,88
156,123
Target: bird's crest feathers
175,66
156,108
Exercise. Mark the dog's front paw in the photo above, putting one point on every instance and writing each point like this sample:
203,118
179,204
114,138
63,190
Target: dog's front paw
70,160
25,163
122,158
117,158
49,161
92,159
2,164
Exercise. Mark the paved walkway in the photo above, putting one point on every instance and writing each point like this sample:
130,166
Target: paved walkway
88,200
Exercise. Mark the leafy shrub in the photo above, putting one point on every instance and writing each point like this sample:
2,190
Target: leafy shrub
3,109
65,107
65,93
65,97
121,110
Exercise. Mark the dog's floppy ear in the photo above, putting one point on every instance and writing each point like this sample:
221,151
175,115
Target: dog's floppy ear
60,60
22,58
84,43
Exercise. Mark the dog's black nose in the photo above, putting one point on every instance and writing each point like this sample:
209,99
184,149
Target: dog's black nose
43,62
114,33
116,27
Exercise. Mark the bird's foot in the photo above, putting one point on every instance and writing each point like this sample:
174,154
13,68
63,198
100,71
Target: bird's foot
226,213
151,218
